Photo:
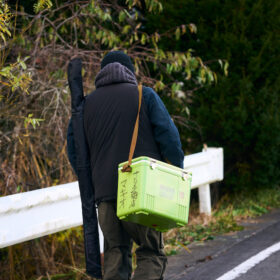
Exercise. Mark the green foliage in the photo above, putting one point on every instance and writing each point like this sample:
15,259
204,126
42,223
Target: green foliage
153,6
42,4
241,112
250,203
33,121
13,76
199,232
5,17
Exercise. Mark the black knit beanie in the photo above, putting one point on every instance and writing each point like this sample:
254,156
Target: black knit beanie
117,56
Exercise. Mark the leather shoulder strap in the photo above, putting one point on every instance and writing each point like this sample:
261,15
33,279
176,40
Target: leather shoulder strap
127,167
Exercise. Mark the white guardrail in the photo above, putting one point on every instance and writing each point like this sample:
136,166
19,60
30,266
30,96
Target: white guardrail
29,215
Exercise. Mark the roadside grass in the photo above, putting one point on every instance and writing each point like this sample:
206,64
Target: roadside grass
226,218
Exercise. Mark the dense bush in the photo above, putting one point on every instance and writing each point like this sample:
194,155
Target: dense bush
241,113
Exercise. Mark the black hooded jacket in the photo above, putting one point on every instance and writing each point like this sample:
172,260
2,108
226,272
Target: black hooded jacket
109,117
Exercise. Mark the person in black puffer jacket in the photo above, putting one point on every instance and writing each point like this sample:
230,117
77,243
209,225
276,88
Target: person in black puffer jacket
109,117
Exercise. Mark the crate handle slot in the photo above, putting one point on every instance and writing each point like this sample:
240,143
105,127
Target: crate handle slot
142,212
122,217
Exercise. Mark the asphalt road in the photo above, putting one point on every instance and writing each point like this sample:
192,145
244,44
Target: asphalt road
269,269
225,259
240,253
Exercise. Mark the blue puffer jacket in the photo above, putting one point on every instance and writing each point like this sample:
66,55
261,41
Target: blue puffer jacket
165,132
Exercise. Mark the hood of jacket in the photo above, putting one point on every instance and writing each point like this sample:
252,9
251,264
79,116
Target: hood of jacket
114,73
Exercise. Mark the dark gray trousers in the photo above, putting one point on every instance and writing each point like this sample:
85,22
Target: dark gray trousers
118,236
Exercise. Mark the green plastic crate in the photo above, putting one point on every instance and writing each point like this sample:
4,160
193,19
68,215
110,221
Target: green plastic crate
154,194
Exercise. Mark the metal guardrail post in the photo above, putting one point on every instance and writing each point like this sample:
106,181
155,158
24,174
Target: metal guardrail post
204,199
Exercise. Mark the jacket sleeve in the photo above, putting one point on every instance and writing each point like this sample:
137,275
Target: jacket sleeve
165,132
71,146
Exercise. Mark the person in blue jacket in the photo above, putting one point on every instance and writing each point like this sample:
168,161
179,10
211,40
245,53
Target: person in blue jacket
109,116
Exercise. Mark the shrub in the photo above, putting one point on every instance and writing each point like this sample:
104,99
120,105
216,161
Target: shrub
240,113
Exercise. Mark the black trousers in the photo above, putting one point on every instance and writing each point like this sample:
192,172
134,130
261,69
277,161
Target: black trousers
118,236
